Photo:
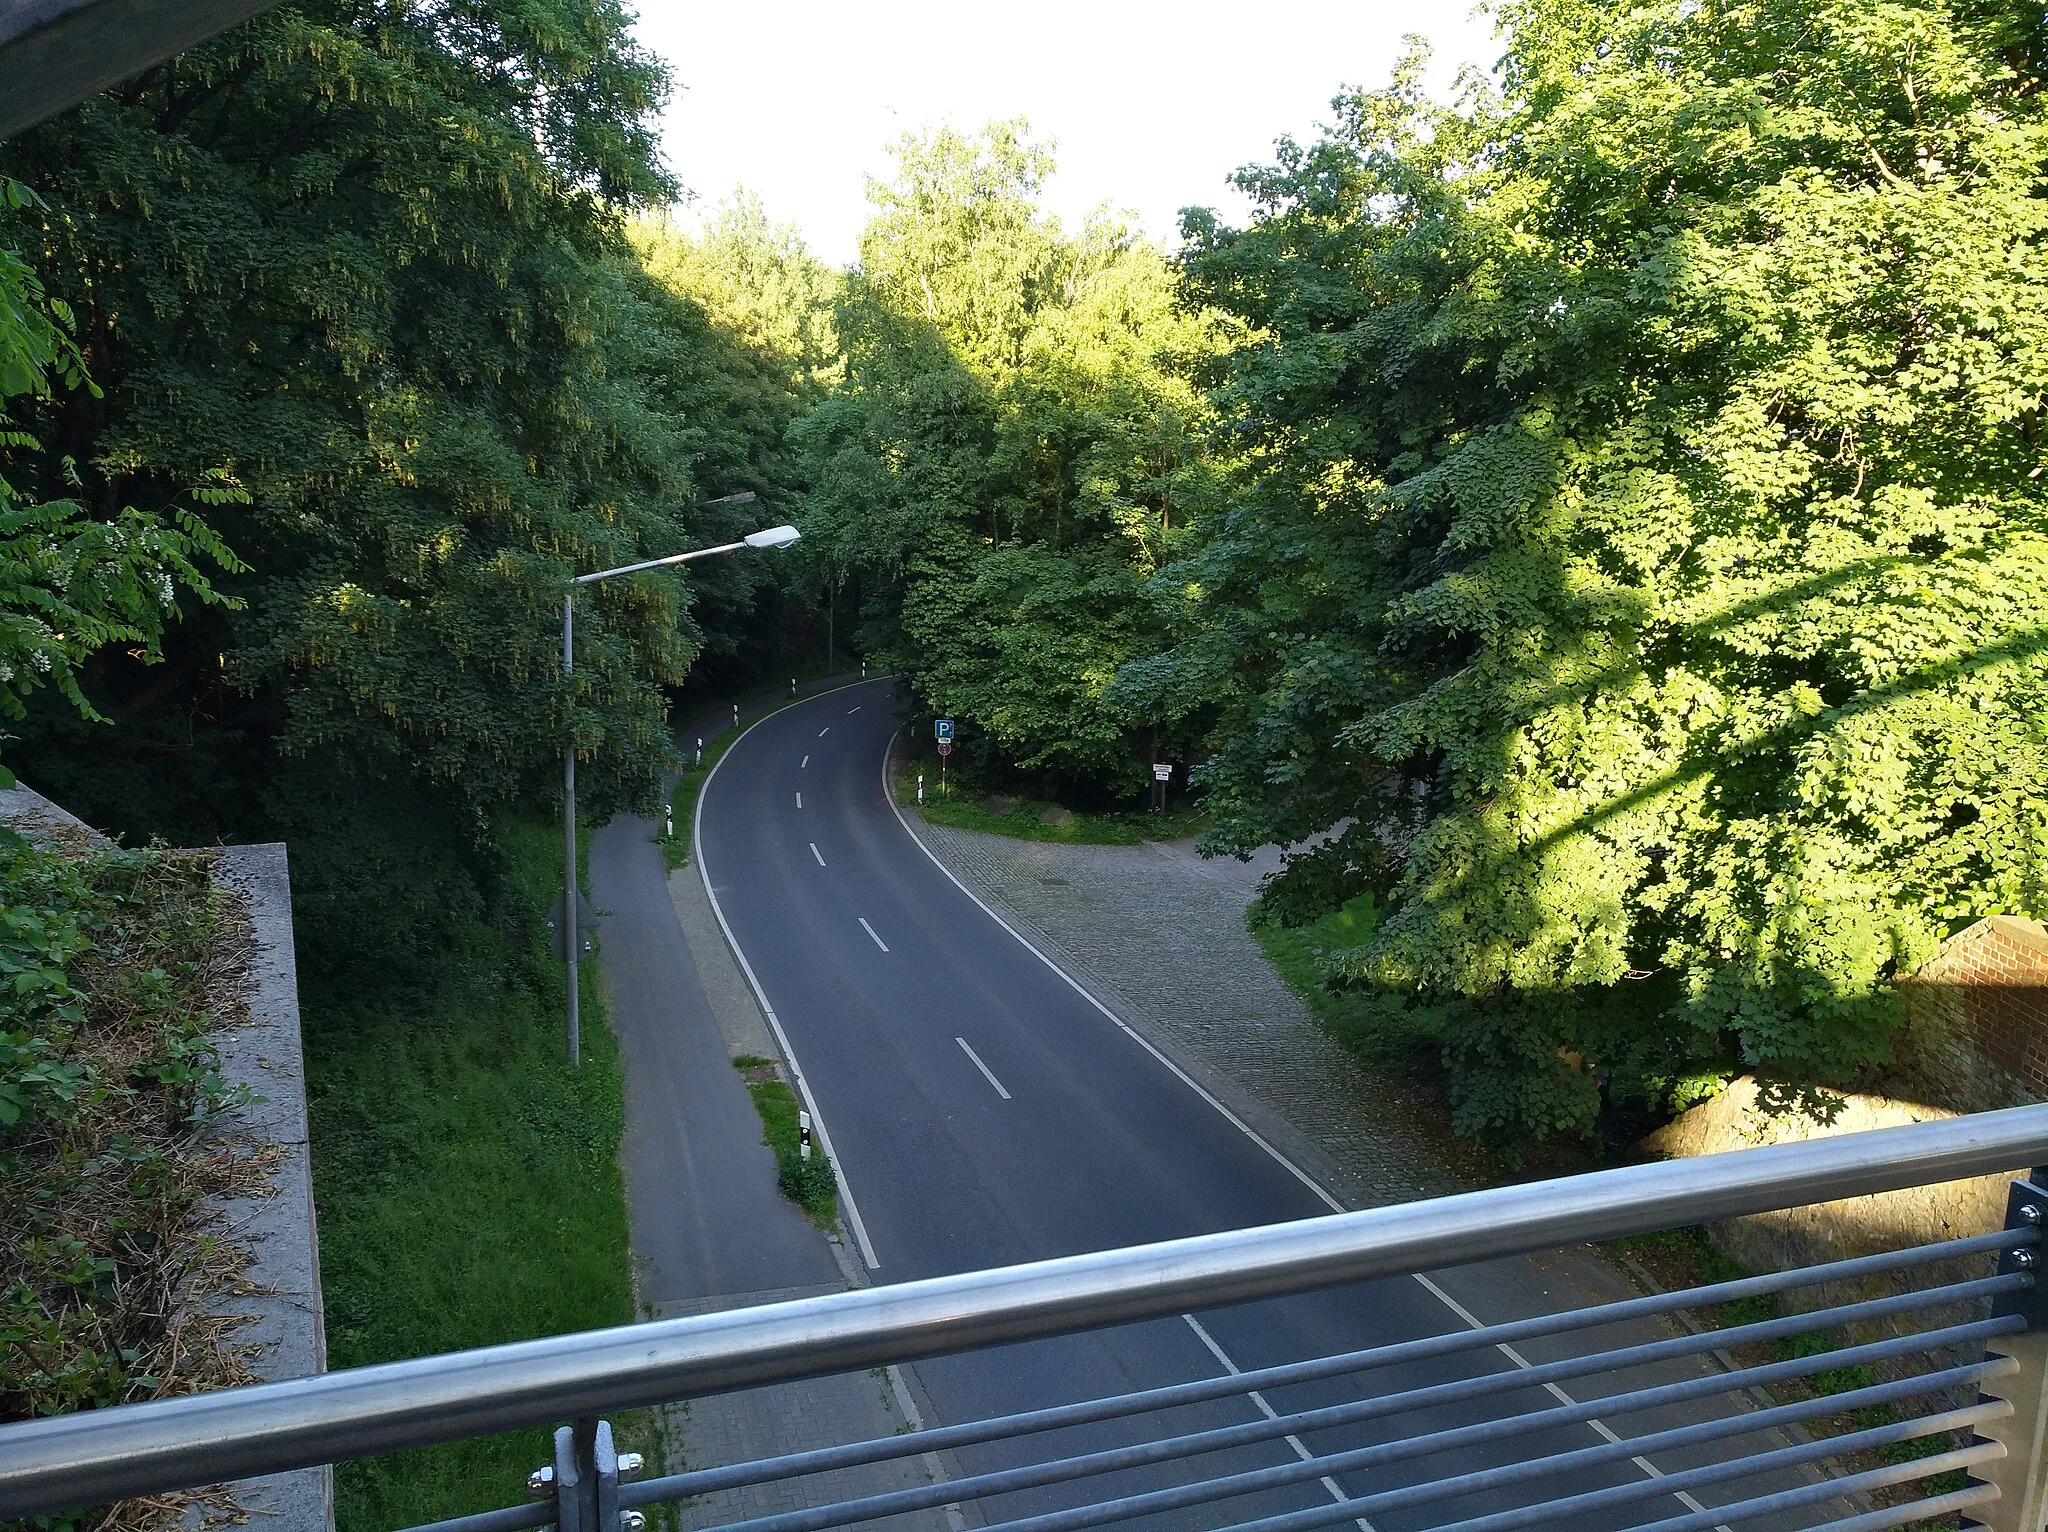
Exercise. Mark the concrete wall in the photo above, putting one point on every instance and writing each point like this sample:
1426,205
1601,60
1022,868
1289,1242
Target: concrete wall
285,1332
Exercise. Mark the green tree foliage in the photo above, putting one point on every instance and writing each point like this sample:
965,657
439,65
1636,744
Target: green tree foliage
1017,446
1645,561
70,584
366,258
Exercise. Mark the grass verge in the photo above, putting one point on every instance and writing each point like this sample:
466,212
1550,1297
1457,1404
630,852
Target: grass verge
467,1179
809,1183
971,807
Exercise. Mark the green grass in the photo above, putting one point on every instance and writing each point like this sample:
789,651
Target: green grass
808,1183
1299,954
467,1179
970,807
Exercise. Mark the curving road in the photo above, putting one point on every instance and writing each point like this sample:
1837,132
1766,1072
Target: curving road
983,1110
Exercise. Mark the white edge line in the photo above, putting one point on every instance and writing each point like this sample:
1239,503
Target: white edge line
860,1229
817,853
888,793
988,1074
871,932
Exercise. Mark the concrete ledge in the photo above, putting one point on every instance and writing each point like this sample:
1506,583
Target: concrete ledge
281,1290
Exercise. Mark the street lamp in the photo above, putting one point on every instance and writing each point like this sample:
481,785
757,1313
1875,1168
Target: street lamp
773,537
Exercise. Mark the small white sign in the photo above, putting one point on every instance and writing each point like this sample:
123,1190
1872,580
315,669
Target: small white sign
1162,771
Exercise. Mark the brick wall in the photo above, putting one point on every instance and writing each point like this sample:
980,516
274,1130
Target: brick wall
1977,1018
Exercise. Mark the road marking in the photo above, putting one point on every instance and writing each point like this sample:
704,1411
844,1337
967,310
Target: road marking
824,731
1598,1427
800,765
986,1073
799,800
796,1069
814,852
851,711
1336,1490
871,931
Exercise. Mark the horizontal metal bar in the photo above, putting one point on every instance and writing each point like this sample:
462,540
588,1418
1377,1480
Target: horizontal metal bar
1840,1489
1625,1494
513,1518
95,1456
1912,1510
1504,1428
968,1433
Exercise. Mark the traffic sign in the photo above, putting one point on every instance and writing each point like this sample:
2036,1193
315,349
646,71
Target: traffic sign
1162,771
942,729
945,747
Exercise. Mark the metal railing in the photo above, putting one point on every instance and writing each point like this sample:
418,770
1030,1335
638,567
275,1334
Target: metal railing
1972,1363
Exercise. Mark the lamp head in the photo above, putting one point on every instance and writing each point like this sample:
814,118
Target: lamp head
774,537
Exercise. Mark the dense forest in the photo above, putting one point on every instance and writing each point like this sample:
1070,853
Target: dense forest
1600,518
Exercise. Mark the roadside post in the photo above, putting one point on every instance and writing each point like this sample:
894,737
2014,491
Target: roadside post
803,1134
920,787
700,750
668,820
943,729
792,686
735,715
1162,773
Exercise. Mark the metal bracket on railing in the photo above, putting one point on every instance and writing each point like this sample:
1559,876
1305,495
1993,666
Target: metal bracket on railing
586,1478
2021,1476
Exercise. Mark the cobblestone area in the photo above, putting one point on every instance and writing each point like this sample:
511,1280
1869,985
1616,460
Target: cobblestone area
1170,926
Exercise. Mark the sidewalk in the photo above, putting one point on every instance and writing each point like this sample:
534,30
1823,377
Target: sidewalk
711,1229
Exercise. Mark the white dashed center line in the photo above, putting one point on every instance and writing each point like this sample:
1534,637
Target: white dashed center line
871,931
800,765
986,1073
799,800
814,852
824,731
851,711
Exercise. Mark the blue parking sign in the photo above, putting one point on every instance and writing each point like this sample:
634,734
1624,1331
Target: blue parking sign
942,728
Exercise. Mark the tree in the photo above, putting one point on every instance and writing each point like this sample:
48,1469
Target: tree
1646,547
71,585
1017,445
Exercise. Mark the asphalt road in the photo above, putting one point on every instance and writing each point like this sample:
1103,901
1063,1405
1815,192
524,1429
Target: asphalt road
984,1112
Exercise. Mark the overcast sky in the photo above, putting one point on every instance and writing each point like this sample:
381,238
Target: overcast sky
1151,105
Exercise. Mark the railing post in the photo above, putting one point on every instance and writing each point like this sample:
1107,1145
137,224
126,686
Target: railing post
2021,1476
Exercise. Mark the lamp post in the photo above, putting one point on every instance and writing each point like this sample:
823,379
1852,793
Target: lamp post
773,537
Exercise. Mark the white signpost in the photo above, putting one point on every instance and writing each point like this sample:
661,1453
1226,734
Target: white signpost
1162,773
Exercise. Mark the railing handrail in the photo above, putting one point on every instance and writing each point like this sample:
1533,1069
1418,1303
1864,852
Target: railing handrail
96,1456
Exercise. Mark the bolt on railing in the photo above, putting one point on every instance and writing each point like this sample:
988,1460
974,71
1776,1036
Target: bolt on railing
1346,1455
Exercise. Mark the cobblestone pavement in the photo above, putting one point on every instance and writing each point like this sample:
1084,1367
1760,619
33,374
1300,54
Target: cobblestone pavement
1169,926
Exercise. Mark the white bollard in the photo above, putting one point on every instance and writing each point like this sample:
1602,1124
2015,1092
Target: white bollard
920,787
700,750
668,820
803,1135
735,715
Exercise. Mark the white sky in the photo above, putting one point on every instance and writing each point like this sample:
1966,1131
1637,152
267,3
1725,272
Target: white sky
1150,104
